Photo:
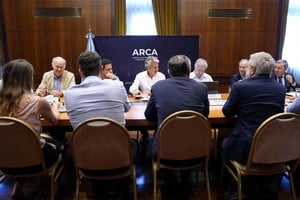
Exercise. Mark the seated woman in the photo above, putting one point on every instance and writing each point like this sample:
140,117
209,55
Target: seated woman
17,100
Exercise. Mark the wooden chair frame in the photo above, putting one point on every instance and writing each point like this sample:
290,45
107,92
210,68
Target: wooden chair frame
21,148
102,144
188,136
275,144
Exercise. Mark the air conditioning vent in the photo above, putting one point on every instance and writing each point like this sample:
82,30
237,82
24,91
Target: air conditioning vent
245,13
57,12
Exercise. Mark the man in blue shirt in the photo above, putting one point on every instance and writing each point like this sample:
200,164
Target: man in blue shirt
94,97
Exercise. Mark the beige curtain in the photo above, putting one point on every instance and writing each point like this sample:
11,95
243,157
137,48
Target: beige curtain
282,19
165,13
120,17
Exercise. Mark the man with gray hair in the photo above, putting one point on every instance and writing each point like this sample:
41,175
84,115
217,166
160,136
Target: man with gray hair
199,74
252,101
144,80
56,81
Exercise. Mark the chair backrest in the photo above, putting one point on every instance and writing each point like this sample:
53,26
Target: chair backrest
20,146
184,135
276,140
101,144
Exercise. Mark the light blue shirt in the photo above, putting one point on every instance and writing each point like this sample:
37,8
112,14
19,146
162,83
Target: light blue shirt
94,97
57,81
294,106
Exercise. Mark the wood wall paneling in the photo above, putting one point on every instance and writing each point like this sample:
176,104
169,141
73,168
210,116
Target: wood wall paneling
38,39
224,41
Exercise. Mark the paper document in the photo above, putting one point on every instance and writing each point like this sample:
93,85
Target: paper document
214,96
217,102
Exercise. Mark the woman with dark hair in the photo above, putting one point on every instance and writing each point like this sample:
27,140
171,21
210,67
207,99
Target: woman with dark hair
17,100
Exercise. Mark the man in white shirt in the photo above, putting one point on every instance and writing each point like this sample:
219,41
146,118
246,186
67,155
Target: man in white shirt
199,71
144,80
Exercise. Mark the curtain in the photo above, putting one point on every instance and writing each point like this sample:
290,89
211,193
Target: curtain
283,12
165,13
291,47
140,18
120,17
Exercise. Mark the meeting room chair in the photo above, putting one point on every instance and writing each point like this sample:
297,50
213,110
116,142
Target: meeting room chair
21,153
184,139
274,146
102,150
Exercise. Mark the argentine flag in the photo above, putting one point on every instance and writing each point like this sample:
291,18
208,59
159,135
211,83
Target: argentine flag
90,44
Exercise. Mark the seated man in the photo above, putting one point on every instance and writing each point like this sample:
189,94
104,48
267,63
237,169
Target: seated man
243,65
199,71
162,103
182,93
252,101
86,100
284,78
107,70
144,80
56,81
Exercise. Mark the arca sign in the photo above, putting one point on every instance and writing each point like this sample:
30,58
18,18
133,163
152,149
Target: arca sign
144,52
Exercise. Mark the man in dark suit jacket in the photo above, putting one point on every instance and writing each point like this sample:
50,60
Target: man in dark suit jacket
243,64
252,101
281,75
171,95
176,93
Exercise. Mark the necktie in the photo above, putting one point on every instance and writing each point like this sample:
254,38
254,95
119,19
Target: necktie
280,79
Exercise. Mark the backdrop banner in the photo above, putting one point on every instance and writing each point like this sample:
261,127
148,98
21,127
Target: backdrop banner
128,53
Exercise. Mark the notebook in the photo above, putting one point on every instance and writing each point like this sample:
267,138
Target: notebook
212,87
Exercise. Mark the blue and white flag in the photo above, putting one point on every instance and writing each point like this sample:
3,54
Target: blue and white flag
90,44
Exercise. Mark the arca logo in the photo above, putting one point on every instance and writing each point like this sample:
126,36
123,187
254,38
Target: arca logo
144,52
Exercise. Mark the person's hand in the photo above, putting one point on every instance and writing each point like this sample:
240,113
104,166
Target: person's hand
42,93
289,78
136,93
55,105
56,93
109,75
147,93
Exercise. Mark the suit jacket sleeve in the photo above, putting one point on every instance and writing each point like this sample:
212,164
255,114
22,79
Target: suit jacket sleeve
151,112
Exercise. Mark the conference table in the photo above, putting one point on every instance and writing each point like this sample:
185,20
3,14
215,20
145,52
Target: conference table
135,119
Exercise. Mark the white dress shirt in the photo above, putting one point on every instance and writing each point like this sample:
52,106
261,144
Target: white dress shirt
144,82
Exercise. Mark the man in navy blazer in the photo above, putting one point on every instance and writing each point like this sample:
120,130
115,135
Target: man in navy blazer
176,93
252,101
283,77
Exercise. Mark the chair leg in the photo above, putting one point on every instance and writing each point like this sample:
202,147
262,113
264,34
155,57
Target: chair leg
134,185
154,181
77,189
239,182
292,185
208,184
52,188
